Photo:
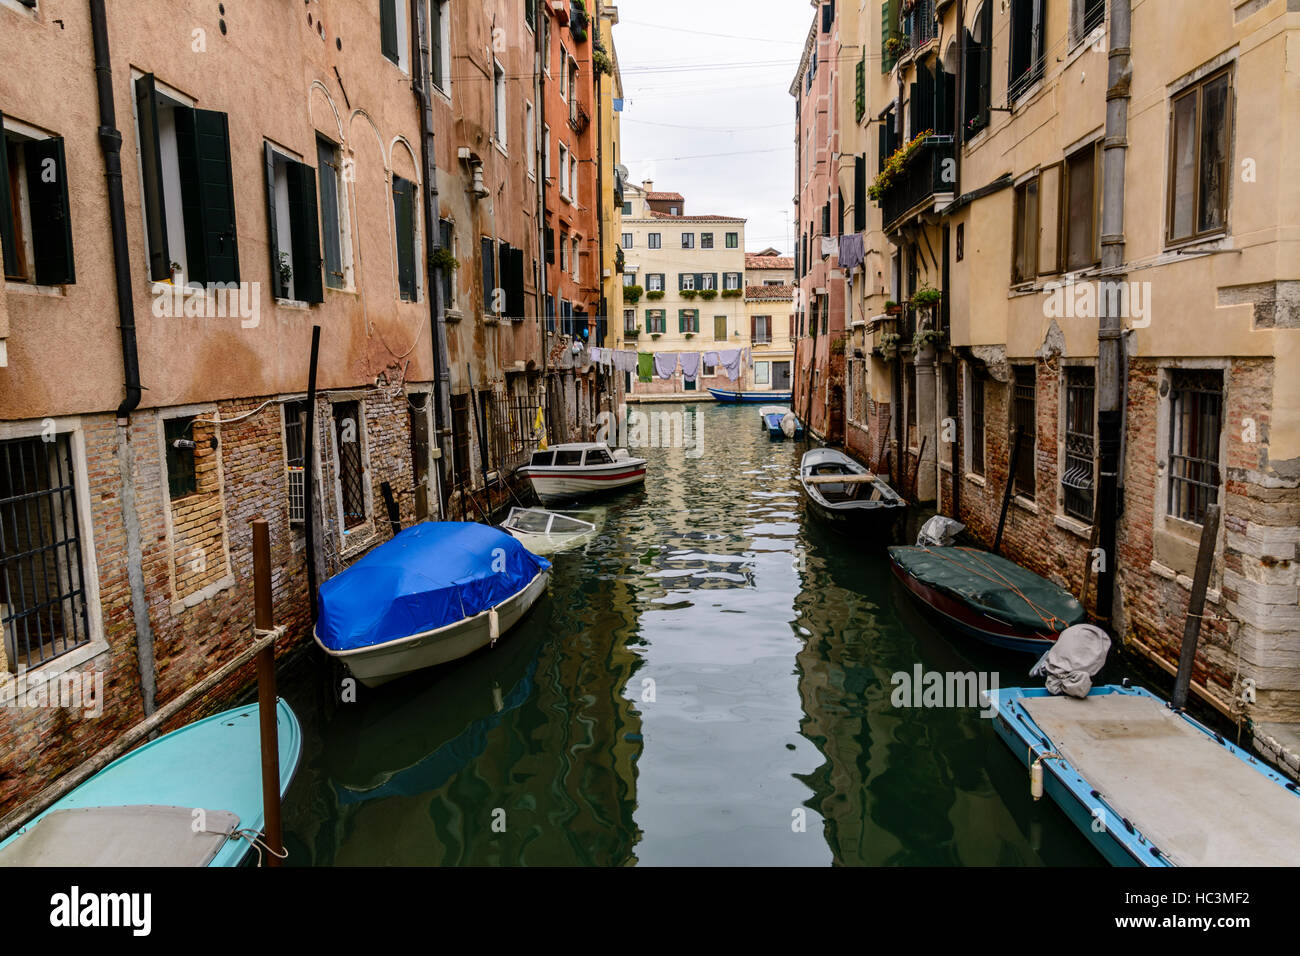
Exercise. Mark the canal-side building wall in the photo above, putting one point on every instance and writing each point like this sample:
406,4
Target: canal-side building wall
1217,328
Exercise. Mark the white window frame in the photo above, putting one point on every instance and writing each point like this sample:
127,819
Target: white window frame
655,240
444,46
530,139
564,172
500,108
170,174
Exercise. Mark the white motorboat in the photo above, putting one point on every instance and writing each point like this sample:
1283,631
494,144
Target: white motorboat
576,469
546,532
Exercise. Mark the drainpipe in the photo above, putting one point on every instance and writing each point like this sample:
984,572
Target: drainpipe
110,142
1110,344
437,324
543,273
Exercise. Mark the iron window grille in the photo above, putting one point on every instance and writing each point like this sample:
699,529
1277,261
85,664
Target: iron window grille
1077,480
1195,423
977,426
348,426
182,481
43,609
1023,422
295,459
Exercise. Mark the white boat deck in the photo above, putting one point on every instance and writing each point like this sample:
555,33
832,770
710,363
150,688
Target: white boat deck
1193,799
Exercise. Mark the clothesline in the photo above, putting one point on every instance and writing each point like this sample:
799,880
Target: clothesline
665,364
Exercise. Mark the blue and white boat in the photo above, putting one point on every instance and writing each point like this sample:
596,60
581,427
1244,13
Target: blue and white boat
1147,785
142,809
436,592
780,423
749,398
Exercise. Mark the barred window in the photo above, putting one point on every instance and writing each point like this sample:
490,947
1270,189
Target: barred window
295,458
1077,478
976,425
1195,422
181,478
348,426
1023,423
42,579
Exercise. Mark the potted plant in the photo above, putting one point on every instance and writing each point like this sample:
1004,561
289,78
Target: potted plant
578,20
632,294
176,277
690,335
889,343
286,273
441,258
895,46
601,61
708,294
655,335
731,293
926,296
631,333
896,164
893,308
689,293
654,295
926,337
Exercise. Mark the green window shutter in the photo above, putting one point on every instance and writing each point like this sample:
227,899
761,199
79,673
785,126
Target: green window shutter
488,263
859,193
860,87
887,15
503,274
518,304
404,218
329,213
47,190
207,195
681,320
435,36
155,204
388,28
278,287
7,237
305,234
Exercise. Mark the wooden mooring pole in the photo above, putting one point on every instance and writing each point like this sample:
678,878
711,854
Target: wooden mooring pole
266,700
1011,484
1196,607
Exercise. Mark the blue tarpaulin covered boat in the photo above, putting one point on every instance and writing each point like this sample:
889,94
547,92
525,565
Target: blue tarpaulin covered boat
435,592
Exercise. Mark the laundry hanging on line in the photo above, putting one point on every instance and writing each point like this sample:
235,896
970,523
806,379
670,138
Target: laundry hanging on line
690,365
665,364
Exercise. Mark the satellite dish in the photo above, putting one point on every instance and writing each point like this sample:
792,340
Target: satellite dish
622,171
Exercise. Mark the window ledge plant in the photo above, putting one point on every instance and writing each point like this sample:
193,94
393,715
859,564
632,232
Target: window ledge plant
708,294
731,293
688,293
632,294
654,295
896,164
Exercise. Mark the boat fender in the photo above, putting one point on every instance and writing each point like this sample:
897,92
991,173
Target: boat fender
494,627
1036,775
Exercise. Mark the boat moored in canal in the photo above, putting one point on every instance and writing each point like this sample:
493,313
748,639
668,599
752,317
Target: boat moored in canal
141,809
1148,785
434,593
578,469
846,495
779,422
547,532
734,396
987,597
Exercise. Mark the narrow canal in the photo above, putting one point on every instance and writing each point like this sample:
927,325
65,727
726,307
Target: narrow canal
707,682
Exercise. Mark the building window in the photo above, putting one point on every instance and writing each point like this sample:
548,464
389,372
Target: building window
392,31
950,404
348,429
707,370
1201,118
295,458
656,320
1195,424
564,171
333,213
976,451
530,140
1077,477
1024,427
573,178
688,320
627,240
706,240
731,281
43,607
1085,16
189,198
1026,46
574,257
440,44
499,103
293,232
460,440
654,282
489,263
654,240
1025,262
627,208
629,320
708,280
181,478
629,278
733,240
761,331
35,221
447,240
546,149
1080,209
688,240
404,212
685,281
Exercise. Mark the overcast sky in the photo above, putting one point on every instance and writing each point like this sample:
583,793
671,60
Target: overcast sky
703,77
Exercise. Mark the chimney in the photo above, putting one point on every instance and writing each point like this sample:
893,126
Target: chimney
648,185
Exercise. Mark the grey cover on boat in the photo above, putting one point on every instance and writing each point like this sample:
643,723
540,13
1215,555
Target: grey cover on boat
1072,662
141,835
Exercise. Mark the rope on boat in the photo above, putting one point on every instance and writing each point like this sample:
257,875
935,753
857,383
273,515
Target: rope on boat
254,838
1044,615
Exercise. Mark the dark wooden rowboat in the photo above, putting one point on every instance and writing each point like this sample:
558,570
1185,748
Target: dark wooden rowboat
847,496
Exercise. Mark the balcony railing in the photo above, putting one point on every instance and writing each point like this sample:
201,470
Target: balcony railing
579,118
927,175
919,26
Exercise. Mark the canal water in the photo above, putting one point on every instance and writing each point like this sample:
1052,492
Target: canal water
707,682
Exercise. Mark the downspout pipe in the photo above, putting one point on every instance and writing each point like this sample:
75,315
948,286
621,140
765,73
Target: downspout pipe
110,142
1110,330
437,324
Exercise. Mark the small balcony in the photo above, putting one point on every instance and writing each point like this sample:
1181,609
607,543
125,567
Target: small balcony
579,118
928,175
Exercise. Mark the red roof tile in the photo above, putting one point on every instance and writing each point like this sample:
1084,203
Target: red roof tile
770,293
668,197
664,215
768,262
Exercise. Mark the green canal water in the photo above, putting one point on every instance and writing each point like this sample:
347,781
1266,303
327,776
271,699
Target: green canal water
706,682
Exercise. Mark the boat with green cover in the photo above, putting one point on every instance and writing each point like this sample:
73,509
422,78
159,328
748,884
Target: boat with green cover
987,597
